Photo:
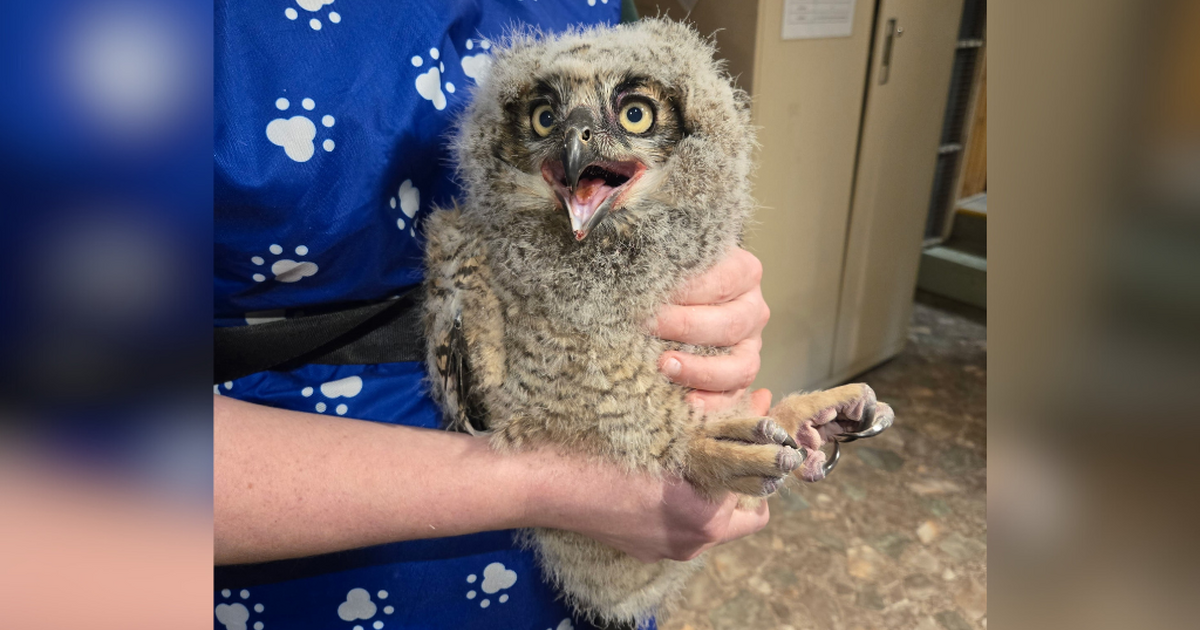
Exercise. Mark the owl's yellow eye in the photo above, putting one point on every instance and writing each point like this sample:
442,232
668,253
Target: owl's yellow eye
542,120
636,117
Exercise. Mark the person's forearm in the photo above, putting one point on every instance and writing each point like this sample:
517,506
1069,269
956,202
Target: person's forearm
289,484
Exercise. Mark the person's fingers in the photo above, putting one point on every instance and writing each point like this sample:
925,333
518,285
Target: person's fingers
743,522
734,275
760,401
720,325
715,374
715,402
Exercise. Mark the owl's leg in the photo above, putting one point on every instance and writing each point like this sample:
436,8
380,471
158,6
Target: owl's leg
752,456
841,414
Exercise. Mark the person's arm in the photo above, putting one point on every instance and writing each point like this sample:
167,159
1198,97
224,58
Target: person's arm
289,484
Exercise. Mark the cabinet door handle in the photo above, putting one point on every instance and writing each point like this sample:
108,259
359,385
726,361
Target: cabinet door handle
885,67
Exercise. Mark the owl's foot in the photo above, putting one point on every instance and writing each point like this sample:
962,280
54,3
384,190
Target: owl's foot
752,456
841,414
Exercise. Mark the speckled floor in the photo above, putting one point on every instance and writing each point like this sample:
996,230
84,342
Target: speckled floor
896,537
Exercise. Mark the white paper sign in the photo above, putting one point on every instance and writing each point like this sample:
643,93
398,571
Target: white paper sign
805,19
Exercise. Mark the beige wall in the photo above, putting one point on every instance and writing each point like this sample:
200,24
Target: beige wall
807,101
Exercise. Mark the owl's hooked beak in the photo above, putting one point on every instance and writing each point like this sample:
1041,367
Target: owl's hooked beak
587,185
578,153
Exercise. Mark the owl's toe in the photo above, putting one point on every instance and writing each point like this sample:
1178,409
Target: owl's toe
752,456
770,486
789,458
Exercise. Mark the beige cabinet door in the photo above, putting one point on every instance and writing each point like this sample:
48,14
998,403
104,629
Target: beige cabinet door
808,98
906,96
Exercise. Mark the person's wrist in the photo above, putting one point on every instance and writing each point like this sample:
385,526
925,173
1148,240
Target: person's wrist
537,477
571,492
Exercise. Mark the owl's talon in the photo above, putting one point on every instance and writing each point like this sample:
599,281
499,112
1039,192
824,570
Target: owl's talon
876,420
831,463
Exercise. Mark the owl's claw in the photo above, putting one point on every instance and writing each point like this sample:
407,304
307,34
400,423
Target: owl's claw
842,414
830,463
876,420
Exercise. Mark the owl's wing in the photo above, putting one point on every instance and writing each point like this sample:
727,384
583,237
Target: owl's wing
463,324
463,402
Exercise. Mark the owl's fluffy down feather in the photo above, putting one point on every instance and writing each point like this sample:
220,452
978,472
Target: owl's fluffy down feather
553,327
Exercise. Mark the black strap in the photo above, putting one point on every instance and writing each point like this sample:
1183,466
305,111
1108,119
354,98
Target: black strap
381,332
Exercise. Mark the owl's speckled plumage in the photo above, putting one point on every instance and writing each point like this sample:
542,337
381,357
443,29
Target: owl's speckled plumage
537,326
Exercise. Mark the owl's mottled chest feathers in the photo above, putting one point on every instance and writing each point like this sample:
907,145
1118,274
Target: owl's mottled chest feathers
553,359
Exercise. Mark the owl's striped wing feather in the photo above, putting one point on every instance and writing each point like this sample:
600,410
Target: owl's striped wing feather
463,402
463,323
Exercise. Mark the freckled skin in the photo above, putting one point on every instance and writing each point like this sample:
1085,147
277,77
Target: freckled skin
536,337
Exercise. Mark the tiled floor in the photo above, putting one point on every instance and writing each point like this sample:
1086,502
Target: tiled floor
896,536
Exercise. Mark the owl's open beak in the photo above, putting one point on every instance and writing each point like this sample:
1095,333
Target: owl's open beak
587,185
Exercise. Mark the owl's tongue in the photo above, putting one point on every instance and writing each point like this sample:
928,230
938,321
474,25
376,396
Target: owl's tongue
589,194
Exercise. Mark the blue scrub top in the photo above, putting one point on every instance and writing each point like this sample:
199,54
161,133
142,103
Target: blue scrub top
332,121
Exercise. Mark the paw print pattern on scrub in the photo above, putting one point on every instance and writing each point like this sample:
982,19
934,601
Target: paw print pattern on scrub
358,605
348,387
495,578
285,269
297,134
290,188
478,65
429,83
313,6
409,197
236,616
474,66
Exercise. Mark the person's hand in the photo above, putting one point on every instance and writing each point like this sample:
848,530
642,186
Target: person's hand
648,518
723,307
682,526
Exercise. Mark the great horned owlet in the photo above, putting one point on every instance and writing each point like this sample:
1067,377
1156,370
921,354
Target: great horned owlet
601,169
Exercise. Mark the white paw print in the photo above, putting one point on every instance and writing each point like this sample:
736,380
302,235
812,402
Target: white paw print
410,202
284,269
236,616
429,83
565,624
592,3
477,66
312,6
296,134
217,388
348,387
358,605
495,578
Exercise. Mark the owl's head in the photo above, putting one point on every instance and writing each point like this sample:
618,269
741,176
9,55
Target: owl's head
611,130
